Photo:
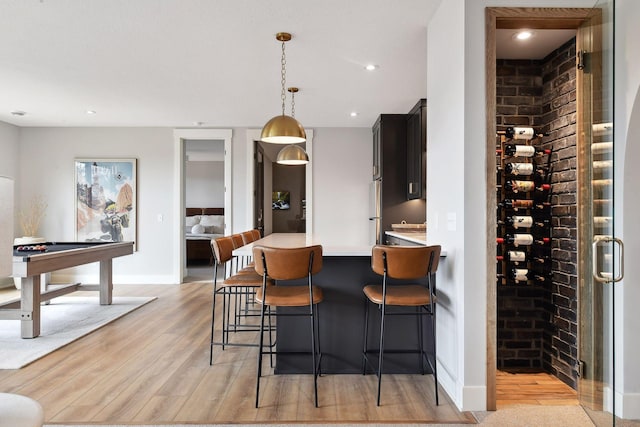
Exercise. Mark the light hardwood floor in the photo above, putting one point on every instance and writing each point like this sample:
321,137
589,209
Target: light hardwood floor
152,366
532,389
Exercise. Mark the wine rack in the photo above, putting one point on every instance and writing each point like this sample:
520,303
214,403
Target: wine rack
524,209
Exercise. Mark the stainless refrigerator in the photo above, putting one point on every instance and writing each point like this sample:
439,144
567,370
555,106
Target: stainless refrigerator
375,212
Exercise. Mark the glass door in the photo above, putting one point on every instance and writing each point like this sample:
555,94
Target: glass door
600,254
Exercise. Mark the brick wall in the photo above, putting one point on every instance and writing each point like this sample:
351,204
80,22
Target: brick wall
537,325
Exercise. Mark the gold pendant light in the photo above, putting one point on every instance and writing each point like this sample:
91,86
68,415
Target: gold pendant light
292,154
283,129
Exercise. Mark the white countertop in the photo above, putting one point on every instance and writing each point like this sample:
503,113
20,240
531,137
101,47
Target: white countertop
296,240
415,237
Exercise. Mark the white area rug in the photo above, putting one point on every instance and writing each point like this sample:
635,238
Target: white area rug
64,320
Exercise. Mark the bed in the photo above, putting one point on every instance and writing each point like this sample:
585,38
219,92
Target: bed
201,225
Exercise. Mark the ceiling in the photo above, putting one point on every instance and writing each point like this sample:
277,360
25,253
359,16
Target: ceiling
188,63
182,63
542,43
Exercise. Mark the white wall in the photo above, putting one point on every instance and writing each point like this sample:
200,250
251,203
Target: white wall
627,204
9,136
341,209
46,167
341,175
446,193
204,184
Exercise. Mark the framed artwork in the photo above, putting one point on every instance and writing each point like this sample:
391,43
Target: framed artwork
106,203
280,200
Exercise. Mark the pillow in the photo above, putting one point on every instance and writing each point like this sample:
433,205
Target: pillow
187,229
198,229
192,220
214,224
214,229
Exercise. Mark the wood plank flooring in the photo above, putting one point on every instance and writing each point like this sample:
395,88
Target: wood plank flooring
532,389
152,366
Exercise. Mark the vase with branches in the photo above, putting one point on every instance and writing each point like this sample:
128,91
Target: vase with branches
31,217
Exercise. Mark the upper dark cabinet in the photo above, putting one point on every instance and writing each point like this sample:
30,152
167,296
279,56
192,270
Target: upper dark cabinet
417,151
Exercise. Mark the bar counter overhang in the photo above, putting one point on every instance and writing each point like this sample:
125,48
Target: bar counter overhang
346,269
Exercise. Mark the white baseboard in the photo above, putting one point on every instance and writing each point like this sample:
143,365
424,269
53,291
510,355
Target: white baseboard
466,398
628,406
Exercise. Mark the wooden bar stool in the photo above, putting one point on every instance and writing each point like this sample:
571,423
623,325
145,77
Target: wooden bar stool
236,285
280,264
405,263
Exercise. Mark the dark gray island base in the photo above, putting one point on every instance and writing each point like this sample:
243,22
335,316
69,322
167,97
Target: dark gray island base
342,325
345,271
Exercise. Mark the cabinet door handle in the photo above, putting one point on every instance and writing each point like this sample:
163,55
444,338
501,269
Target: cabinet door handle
411,188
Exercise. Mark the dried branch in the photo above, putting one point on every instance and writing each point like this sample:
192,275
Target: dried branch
30,218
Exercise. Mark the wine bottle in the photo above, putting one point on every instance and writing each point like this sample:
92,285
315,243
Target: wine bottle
517,186
523,133
524,169
517,221
516,204
542,241
515,257
519,150
541,223
541,260
601,147
516,239
524,275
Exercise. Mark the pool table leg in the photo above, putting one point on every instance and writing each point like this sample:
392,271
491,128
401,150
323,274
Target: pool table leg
106,282
30,307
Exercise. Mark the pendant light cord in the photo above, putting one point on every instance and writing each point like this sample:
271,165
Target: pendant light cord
283,79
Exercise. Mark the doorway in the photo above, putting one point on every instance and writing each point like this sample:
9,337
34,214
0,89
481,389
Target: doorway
180,156
579,211
262,168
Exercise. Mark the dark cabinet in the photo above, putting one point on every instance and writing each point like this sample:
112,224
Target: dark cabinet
417,151
377,170
389,154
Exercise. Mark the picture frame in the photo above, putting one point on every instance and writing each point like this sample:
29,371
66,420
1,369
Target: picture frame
280,200
106,205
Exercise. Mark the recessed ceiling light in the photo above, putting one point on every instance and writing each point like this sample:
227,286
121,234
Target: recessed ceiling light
523,35
353,114
18,113
91,112
371,67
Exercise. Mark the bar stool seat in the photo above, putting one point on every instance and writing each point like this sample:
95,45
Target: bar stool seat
20,411
400,295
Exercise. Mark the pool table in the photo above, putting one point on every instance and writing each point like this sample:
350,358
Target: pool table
30,264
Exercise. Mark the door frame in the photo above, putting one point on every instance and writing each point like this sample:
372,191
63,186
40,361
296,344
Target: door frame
179,137
254,135
509,18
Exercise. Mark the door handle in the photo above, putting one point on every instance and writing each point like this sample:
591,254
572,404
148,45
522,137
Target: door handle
599,276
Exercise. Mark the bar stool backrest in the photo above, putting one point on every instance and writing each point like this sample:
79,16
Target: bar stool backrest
222,249
237,241
256,234
405,262
247,237
287,263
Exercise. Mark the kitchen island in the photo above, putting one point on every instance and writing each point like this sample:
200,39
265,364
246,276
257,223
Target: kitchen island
406,238
346,269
